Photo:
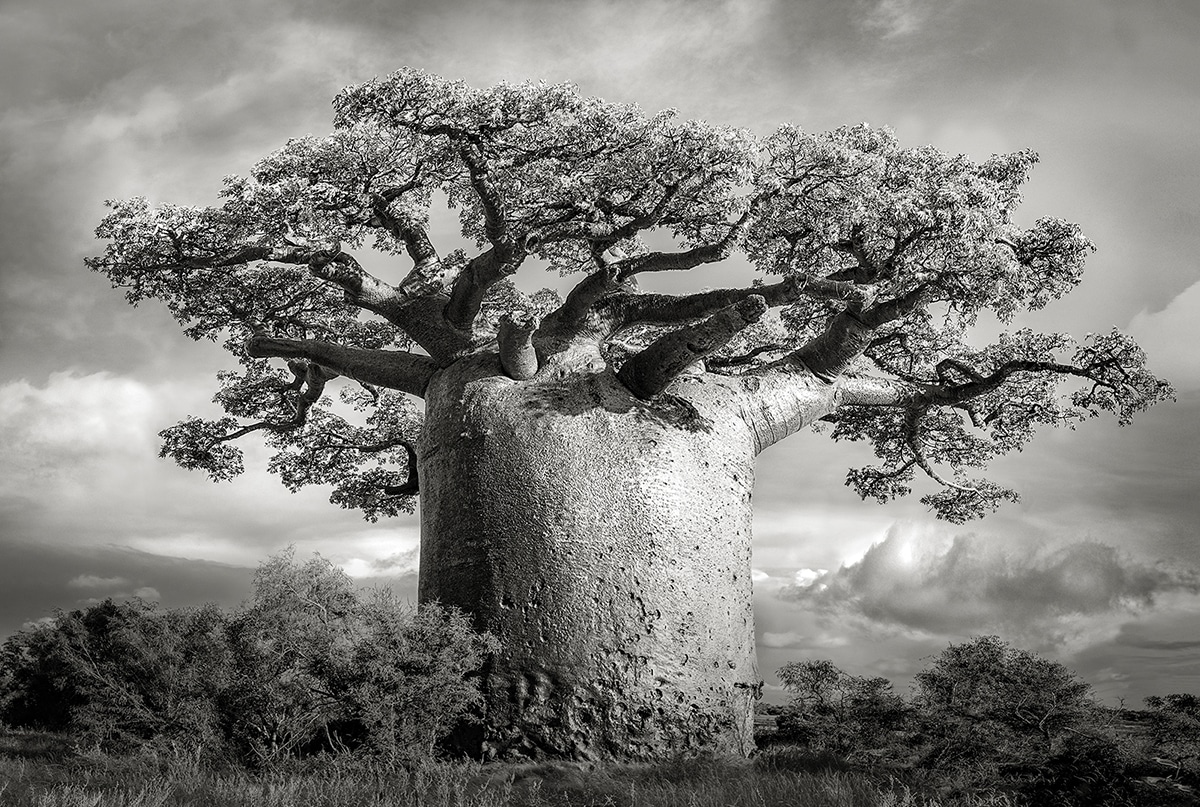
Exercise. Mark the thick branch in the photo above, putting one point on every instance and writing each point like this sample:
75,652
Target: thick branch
471,285
429,275
664,309
586,293
517,356
981,385
829,354
393,369
415,306
398,305
891,310
651,371
362,288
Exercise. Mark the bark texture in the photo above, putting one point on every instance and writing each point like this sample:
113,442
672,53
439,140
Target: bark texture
606,541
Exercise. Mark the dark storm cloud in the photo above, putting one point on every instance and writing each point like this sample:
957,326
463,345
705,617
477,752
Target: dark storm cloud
36,579
1158,644
913,580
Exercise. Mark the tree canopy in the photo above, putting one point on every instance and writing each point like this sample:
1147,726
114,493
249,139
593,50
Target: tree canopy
877,260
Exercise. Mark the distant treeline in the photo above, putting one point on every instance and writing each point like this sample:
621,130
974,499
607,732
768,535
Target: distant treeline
987,717
307,664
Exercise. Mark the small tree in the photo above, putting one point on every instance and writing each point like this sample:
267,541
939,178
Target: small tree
321,666
287,636
1175,733
836,711
38,690
994,708
410,677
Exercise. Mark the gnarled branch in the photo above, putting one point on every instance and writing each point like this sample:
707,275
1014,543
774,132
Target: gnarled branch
471,285
650,372
394,369
515,336
665,309
412,486
308,384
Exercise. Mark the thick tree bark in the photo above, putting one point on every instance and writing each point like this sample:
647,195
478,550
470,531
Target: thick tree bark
606,541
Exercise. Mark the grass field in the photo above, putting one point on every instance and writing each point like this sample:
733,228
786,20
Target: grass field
44,770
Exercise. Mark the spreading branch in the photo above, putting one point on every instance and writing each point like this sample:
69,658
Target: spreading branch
665,309
307,387
394,369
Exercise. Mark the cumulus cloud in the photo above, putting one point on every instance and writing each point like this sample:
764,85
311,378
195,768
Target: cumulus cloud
73,418
923,580
117,588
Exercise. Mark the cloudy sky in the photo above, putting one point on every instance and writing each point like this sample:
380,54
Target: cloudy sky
1098,566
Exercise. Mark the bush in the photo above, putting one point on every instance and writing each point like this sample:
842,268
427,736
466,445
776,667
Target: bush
1175,735
995,707
120,675
307,665
984,718
834,711
1085,772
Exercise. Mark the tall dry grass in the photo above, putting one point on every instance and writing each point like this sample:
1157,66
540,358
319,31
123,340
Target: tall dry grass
36,771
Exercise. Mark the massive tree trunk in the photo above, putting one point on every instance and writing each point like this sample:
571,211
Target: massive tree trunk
606,541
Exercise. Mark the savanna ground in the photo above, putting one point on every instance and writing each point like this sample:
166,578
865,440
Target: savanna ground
47,770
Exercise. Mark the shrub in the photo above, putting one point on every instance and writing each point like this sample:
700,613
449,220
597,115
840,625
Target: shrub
834,711
308,664
120,675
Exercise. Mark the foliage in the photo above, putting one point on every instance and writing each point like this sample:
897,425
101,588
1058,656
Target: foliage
307,664
983,717
833,710
888,257
121,674
1175,734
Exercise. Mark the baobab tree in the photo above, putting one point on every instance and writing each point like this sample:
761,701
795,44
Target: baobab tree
584,464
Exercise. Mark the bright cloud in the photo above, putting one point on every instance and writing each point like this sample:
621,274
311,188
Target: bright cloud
897,18
72,419
927,581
